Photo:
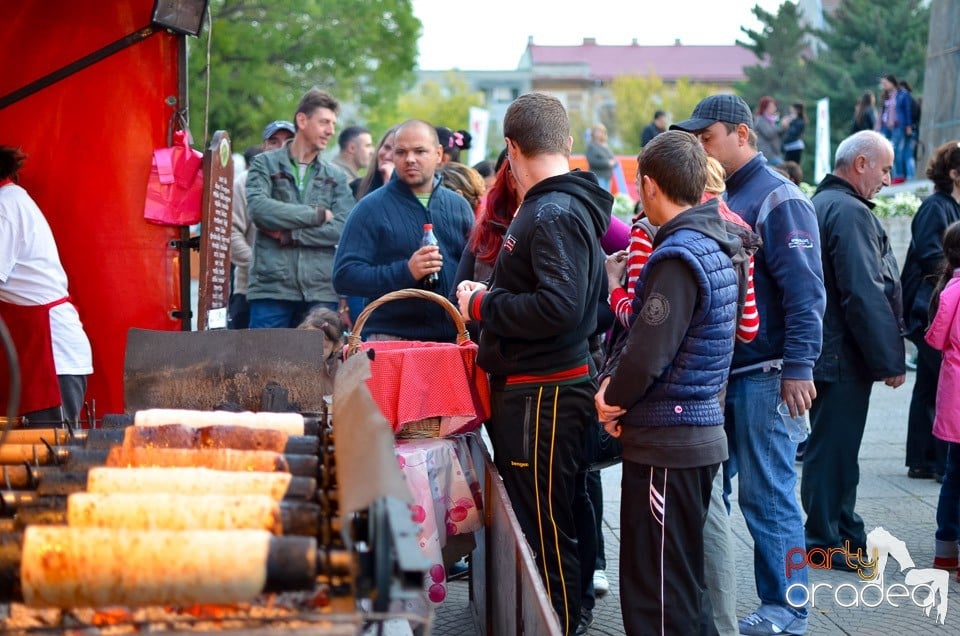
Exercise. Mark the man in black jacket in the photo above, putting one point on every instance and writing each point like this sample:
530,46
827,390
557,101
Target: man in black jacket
862,342
654,128
536,318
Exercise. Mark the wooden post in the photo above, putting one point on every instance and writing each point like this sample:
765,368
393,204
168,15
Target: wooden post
507,595
214,293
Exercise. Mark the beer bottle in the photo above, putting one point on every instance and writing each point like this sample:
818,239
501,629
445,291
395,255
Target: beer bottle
430,281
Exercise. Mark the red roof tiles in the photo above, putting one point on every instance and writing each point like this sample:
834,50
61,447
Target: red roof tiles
720,63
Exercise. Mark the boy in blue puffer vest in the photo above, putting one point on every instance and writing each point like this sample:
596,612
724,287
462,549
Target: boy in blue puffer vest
660,390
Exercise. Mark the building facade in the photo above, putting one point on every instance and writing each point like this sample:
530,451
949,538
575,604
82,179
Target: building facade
580,75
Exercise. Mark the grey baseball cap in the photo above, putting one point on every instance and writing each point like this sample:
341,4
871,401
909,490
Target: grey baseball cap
729,108
274,126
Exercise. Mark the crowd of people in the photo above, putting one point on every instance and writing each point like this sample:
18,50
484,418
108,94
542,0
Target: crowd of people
733,296
898,120
780,138
681,335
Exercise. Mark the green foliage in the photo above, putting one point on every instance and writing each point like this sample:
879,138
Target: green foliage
442,103
580,123
900,204
781,51
781,70
264,56
623,207
864,41
680,102
637,97
886,206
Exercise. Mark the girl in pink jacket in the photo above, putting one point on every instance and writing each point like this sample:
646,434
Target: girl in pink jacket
944,335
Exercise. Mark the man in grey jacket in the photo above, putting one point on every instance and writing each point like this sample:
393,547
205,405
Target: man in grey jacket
600,158
299,203
243,231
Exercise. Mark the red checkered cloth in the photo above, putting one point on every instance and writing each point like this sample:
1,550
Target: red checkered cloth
415,380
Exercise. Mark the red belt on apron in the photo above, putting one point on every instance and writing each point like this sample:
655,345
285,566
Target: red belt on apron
29,327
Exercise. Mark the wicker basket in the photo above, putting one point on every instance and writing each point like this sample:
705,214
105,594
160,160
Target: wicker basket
428,427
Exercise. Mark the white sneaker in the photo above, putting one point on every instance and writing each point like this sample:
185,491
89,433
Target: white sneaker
600,583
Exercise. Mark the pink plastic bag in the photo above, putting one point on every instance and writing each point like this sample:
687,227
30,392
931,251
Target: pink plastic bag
175,186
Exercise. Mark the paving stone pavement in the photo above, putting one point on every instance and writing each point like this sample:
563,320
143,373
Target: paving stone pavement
886,497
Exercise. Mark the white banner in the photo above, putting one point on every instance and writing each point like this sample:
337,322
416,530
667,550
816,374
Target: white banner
821,159
479,128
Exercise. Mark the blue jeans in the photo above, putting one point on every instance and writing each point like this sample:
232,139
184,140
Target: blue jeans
898,137
948,507
910,159
762,453
266,313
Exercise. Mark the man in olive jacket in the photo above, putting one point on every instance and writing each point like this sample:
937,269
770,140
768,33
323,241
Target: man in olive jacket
862,342
299,203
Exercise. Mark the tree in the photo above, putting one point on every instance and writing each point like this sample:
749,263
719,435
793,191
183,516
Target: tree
638,97
444,102
782,51
265,55
862,41
685,96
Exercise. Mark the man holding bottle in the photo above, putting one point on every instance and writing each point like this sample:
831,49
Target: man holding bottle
381,249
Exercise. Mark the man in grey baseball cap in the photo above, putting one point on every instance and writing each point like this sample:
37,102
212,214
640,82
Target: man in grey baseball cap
726,108
775,367
243,232
271,131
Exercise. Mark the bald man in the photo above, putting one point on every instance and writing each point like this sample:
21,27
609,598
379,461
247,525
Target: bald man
380,248
862,341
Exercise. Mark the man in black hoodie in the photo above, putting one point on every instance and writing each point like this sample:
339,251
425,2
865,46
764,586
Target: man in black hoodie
536,316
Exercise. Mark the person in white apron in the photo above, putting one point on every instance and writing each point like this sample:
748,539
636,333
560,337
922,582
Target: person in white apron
52,349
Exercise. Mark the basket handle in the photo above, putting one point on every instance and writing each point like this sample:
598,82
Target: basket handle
353,340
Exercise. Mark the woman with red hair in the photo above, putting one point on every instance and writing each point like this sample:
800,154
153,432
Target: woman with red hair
482,249
769,130
503,199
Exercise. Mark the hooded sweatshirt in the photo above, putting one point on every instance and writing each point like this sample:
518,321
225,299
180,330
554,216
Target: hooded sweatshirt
669,371
542,303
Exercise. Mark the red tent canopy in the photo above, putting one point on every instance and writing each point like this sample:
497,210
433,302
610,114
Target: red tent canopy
89,138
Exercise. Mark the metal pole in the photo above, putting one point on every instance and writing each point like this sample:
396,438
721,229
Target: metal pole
186,313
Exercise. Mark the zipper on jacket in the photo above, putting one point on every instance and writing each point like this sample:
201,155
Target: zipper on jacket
527,405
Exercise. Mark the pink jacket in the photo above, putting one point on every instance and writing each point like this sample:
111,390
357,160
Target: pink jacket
944,334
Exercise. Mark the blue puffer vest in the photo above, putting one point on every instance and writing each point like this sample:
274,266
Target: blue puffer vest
686,393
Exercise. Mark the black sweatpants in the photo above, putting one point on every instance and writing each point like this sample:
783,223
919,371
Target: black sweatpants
586,522
595,491
537,434
662,513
